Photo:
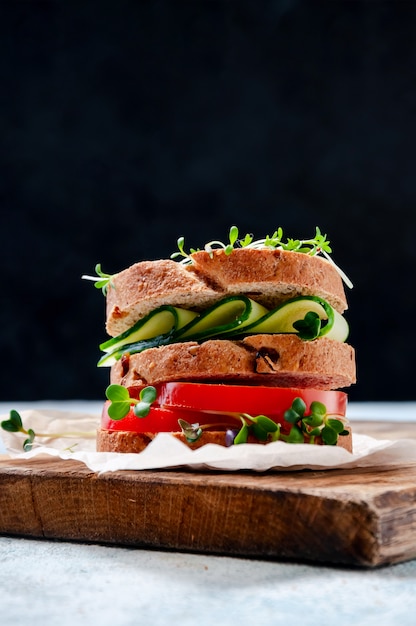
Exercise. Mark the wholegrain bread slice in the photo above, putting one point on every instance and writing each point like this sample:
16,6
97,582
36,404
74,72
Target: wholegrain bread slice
146,285
277,360
268,276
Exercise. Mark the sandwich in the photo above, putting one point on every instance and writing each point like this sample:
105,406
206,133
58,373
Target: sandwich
238,342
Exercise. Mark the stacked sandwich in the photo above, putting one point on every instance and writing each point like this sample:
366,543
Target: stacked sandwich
236,343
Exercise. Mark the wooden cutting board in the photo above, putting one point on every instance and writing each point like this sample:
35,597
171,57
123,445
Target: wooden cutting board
363,518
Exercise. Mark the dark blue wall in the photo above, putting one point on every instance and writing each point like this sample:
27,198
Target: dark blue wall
124,125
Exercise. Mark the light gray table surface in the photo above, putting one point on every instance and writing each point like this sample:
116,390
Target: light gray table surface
53,582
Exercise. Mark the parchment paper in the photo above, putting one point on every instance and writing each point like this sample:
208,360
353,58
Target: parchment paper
167,452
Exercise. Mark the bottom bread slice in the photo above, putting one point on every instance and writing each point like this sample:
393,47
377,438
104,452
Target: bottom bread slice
127,441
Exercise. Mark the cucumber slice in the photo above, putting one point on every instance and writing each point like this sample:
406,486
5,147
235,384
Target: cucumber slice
158,322
156,329
339,330
112,357
229,315
281,319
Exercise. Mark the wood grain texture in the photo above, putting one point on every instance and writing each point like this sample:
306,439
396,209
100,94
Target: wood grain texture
363,518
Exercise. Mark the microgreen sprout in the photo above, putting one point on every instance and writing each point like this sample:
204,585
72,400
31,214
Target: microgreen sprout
261,427
121,402
101,280
318,245
15,425
306,427
191,432
309,327
314,423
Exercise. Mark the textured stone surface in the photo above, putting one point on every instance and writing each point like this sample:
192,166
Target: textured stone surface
54,582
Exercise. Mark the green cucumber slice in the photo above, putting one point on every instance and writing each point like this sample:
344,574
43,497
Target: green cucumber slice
157,322
281,319
339,330
231,314
156,328
139,346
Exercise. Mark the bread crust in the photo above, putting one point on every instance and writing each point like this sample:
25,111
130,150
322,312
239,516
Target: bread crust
267,276
275,360
127,441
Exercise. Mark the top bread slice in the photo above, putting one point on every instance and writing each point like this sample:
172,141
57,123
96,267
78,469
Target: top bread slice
269,276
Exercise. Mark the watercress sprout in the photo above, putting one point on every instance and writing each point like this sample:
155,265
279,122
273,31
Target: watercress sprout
191,432
101,280
315,423
309,327
317,245
121,402
15,425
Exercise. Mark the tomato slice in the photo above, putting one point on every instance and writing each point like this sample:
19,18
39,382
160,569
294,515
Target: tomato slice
254,400
210,403
162,420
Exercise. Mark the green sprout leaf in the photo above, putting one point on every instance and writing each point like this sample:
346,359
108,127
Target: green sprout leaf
299,406
266,423
291,416
318,408
233,235
191,432
148,394
28,443
242,435
246,241
14,423
120,401
329,436
313,420
259,432
296,411
310,327
262,427
117,393
336,425
147,397
295,435
314,432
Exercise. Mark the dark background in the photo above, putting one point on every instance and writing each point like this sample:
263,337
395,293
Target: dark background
124,125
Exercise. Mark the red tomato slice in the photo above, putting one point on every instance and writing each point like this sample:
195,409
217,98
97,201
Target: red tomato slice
254,400
210,403
161,420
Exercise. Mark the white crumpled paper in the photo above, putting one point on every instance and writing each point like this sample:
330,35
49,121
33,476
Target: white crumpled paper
167,452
